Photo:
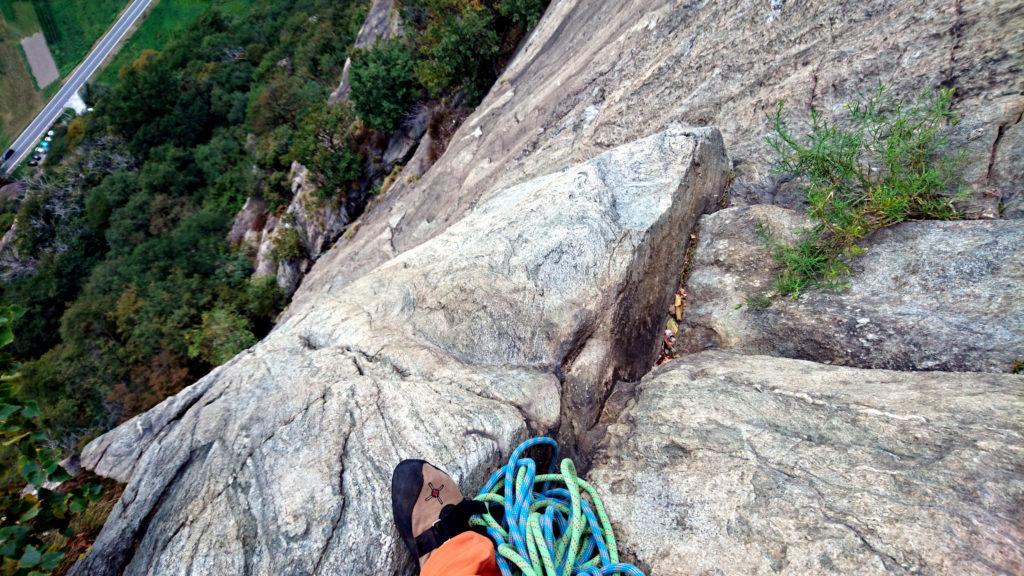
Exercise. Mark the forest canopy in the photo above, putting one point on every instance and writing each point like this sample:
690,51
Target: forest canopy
120,260
118,250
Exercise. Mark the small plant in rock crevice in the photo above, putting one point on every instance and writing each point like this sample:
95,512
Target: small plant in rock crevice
287,245
889,164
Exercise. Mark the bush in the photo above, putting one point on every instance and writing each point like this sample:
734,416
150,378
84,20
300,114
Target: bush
323,143
890,166
76,131
263,297
287,245
222,334
384,85
459,50
32,523
525,13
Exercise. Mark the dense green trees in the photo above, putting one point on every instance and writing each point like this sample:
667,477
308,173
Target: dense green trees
120,255
384,85
459,46
451,46
324,144
525,13
34,525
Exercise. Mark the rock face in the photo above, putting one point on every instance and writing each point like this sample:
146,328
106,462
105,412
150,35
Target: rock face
756,465
382,23
246,229
992,141
925,296
589,78
279,462
318,223
1006,176
504,292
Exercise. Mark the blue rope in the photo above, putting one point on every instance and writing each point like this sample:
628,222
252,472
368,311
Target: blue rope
555,523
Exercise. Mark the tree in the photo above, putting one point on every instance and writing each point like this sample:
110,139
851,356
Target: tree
384,85
222,334
277,103
112,193
323,143
525,13
459,49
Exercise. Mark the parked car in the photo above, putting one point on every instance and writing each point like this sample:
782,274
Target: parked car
33,163
37,157
8,154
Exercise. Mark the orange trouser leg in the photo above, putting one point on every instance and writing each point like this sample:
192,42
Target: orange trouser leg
468,554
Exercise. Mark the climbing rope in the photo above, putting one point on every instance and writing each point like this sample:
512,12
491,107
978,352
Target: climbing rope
553,525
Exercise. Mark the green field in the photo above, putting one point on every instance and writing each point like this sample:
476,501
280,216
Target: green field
19,18
20,99
71,28
165,20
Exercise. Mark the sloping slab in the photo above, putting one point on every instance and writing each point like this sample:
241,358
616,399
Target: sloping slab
756,465
280,461
590,77
925,296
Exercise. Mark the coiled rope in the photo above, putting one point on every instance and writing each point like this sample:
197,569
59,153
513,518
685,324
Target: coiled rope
555,523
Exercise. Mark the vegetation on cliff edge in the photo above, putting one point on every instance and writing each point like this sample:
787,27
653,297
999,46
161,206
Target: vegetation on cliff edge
887,164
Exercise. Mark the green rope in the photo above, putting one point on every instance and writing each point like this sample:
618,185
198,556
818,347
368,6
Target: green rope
551,524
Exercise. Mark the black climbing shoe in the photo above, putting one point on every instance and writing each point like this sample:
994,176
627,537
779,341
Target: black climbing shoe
428,507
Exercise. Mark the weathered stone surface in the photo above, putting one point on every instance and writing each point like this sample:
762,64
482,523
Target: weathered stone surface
382,23
265,263
589,78
246,229
279,462
406,137
1007,161
318,222
992,141
925,296
734,464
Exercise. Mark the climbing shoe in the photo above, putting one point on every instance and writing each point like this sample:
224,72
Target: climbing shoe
428,507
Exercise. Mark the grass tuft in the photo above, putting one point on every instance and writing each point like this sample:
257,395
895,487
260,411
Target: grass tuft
889,166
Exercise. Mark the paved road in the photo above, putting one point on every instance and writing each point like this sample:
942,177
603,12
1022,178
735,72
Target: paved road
28,139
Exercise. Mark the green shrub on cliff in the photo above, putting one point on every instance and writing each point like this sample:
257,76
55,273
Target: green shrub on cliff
287,245
323,143
384,86
525,13
222,334
458,49
888,166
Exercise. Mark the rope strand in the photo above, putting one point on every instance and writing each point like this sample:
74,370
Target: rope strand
555,523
